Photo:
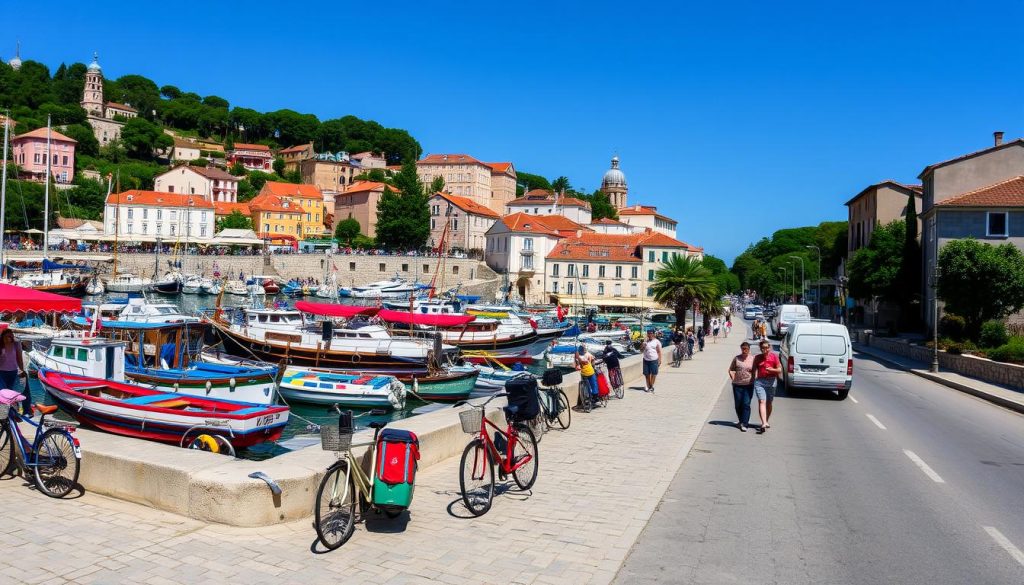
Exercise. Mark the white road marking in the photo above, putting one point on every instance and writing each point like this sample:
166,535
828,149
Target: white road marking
1005,543
924,467
854,400
876,421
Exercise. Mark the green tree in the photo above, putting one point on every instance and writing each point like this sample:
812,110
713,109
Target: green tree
725,281
141,138
874,270
601,206
980,282
279,165
87,143
680,282
436,185
403,218
139,92
910,266
347,230
561,185
237,169
170,92
528,182
236,220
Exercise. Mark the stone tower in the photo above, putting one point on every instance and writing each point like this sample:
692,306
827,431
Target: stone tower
92,96
614,185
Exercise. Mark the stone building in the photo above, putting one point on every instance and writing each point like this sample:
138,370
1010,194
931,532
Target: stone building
359,202
210,182
293,155
877,205
466,221
146,215
492,185
106,118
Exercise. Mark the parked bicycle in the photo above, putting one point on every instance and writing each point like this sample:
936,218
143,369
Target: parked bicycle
514,449
618,385
54,454
554,404
388,488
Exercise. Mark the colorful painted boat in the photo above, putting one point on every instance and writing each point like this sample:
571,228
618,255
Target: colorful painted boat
491,379
324,386
135,411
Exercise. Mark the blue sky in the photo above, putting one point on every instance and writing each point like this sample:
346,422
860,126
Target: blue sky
737,119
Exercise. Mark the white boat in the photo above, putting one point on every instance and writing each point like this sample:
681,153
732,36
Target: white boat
490,379
236,287
193,285
134,309
323,386
169,284
95,287
211,286
395,288
125,283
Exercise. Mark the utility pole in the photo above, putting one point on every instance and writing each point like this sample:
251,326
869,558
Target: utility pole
817,289
935,295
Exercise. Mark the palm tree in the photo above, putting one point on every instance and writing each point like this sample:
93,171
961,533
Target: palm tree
681,281
560,185
710,304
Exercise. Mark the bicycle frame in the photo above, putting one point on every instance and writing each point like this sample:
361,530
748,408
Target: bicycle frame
362,481
28,453
511,438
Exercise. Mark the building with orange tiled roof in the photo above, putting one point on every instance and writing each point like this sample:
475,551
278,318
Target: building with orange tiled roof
647,216
359,202
607,225
517,244
292,209
210,182
544,202
29,152
252,157
222,209
610,270
461,222
294,155
147,215
489,184
969,196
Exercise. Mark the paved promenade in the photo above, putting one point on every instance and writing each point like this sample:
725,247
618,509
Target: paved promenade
598,486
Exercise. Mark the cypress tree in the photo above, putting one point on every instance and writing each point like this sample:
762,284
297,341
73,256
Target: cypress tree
910,266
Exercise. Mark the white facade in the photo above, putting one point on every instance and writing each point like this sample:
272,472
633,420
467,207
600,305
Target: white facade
577,213
522,255
213,184
615,228
646,217
146,222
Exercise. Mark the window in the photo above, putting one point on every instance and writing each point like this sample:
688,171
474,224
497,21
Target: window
145,228
618,290
571,271
381,266
650,255
455,269
600,289
618,272
586,270
583,289
174,215
455,224
600,271
554,287
650,275
634,290
130,213
527,262
554,270
173,227
664,256
266,227
634,272
998,224
568,288
159,213
433,225
145,213
528,244
405,268
202,231
351,266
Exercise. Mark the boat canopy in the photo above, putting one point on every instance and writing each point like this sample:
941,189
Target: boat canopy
334,310
15,299
428,320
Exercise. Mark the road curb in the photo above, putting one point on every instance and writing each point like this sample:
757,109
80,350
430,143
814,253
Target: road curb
977,392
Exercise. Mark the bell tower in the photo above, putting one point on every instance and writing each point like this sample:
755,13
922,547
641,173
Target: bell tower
92,95
613,184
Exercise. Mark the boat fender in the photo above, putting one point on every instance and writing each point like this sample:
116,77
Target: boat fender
231,384
355,358
209,386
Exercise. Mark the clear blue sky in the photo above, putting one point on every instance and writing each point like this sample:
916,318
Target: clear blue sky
736,119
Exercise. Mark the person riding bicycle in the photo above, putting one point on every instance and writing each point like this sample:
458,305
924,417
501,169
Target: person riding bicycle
585,364
677,341
611,359
691,340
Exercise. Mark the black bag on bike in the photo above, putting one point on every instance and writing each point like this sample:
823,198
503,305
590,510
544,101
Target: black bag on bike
522,394
552,377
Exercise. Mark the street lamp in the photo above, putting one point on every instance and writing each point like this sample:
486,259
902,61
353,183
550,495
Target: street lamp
817,290
802,279
783,269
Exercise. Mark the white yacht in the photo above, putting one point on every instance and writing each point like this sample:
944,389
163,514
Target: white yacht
193,285
395,288
126,283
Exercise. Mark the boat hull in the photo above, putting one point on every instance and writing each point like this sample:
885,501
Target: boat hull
320,386
71,289
256,388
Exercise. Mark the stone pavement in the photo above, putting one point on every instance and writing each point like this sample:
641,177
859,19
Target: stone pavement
598,485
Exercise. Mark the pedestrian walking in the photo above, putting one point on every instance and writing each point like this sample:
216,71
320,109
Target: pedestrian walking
728,326
715,326
12,366
700,337
766,371
691,340
741,372
652,359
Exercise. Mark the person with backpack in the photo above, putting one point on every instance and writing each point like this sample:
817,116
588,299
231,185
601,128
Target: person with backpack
767,368
691,340
585,364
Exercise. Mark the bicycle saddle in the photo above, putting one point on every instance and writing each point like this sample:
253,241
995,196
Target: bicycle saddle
377,425
45,409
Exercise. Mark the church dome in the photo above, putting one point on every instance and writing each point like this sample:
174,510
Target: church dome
15,63
613,177
95,65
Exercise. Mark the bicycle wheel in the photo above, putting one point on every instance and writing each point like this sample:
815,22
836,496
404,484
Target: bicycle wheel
476,478
56,467
584,400
617,384
537,425
564,412
335,514
6,451
525,446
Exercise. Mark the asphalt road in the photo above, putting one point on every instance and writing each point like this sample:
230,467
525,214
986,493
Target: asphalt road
828,495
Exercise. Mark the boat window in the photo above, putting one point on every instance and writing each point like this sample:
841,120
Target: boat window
364,335
326,385
275,319
83,355
263,318
165,310
56,351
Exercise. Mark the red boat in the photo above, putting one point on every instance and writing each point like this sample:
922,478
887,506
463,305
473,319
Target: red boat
271,287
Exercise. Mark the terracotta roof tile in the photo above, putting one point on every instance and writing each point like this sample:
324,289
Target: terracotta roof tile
644,210
296,148
524,222
500,167
598,247
468,205
449,159
124,107
224,208
298,190
608,221
1009,193
547,199
41,133
157,198
359,186
243,146
275,203
214,173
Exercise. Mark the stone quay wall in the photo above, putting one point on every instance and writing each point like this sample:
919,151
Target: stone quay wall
1009,375
474,275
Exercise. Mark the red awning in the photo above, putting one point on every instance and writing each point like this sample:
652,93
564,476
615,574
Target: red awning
14,299
333,310
427,320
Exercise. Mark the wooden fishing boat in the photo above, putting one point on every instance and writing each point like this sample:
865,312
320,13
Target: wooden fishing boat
135,411
323,386
467,331
490,357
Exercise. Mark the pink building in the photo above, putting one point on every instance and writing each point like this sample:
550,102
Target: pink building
29,151
252,157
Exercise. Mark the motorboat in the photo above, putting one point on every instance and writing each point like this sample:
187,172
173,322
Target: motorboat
95,286
136,411
491,379
128,283
193,285
211,286
466,331
168,284
236,287
324,386
395,288
254,286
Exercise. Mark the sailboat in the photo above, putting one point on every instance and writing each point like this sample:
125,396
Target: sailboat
124,282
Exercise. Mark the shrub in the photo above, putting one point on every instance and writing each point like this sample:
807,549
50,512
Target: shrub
993,334
953,326
199,162
1012,352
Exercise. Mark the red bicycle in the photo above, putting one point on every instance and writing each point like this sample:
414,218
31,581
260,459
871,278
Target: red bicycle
514,450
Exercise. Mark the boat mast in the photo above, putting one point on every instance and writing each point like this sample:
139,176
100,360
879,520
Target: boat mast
117,217
46,197
3,195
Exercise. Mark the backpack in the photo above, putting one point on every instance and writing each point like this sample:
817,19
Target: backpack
523,395
397,453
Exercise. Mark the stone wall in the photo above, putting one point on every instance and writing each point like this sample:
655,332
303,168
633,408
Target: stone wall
474,275
1010,375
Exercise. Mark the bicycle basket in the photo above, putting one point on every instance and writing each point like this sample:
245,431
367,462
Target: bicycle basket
471,420
331,439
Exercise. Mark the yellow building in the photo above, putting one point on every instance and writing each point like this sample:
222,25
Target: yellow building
289,212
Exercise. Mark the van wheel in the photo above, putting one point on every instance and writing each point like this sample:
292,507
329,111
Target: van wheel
844,393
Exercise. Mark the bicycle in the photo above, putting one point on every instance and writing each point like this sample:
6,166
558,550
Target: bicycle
476,472
345,483
618,385
554,407
677,354
585,402
54,454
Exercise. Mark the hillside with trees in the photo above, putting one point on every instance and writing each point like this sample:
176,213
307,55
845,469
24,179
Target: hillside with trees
760,266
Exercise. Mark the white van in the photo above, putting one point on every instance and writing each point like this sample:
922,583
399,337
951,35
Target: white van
817,354
786,315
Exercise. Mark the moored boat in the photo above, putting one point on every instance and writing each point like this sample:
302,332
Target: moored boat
136,411
323,386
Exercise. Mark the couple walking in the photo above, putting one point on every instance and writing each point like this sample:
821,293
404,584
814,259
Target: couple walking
754,375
